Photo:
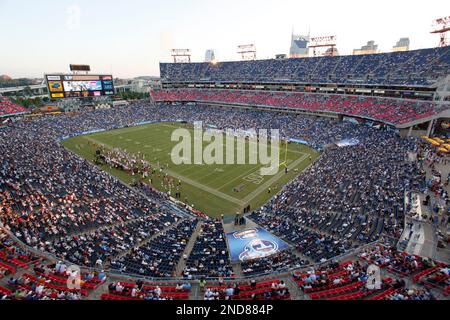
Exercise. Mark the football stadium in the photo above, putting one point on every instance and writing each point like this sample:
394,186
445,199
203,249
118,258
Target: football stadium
313,175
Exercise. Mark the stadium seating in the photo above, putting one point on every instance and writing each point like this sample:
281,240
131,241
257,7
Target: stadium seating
282,261
210,254
145,291
112,218
392,111
9,108
52,200
5,291
412,68
350,281
435,277
159,257
265,290
13,258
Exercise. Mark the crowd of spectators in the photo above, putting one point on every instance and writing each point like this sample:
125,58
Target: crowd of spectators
353,280
412,294
349,196
398,262
97,247
313,245
56,202
415,67
43,280
209,257
388,110
436,194
7,107
159,257
265,290
146,291
424,271
282,261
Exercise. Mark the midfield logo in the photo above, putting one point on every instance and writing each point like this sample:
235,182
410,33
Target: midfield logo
228,147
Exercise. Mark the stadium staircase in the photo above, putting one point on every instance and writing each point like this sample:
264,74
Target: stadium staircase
313,71
355,67
333,72
294,289
142,243
93,229
237,270
187,251
300,255
97,293
179,211
374,71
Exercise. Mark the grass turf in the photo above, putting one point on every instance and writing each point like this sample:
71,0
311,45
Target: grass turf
210,188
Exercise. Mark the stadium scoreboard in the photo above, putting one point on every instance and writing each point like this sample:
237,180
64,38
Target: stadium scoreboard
79,86
80,67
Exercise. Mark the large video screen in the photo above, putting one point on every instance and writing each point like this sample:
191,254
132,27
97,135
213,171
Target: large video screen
79,86
73,86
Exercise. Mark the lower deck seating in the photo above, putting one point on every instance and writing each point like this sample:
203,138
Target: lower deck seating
5,291
145,291
165,296
266,290
384,294
13,257
38,280
337,291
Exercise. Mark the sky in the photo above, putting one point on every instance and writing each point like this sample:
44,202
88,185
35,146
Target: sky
129,38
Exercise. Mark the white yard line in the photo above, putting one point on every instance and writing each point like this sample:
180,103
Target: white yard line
272,180
255,193
187,180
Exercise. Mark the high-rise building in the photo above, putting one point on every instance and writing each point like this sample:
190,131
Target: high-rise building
299,46
210,56
369,48
333,52
401,45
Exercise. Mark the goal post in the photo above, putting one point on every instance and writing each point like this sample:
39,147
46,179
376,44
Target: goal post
283,160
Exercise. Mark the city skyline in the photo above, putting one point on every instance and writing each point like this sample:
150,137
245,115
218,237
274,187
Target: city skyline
130,39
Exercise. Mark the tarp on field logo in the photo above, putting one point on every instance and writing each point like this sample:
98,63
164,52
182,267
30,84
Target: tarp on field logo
253,244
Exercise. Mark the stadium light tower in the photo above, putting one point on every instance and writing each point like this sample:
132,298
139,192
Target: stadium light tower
247,51
79,68
181,55
323,42
442,26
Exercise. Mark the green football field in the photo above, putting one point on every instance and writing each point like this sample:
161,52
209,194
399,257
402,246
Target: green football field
212,189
